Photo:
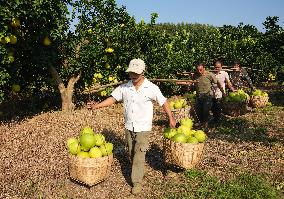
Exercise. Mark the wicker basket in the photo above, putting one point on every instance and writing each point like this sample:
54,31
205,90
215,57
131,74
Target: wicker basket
259,101
90,171
178,114
235,108
182,155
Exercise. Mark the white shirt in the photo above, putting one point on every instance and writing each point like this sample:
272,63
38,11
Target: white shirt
138,106
221,76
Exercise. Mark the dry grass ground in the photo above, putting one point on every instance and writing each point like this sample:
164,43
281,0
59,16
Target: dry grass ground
34,161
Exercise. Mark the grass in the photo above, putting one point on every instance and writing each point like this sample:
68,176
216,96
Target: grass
245,186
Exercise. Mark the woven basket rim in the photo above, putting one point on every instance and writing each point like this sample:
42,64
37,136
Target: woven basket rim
179,109
94,160
186,144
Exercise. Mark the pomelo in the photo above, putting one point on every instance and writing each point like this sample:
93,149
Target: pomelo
86,130
192,140
200,136
186,122
87,141
83,154
184,129
180,137
103,150
109,147
99,139
95,152
74,148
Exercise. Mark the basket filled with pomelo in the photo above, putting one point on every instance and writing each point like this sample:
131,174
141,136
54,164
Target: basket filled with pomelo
183,146
236,103
259,99
90,157
180,108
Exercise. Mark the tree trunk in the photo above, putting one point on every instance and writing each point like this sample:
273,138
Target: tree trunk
65,92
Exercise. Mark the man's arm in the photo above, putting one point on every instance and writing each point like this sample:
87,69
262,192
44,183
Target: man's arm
107,102
228,82
169,113
221,88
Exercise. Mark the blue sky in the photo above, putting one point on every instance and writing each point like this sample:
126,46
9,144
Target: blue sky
213,12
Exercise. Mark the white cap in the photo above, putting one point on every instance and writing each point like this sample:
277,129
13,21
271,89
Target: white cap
136,66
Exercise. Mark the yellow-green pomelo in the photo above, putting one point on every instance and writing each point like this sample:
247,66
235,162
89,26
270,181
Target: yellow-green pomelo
46,41
99,139
83,154
15,23
178,104
87,141
184,129
180,137
169,133
86,130
71,140
192,140
95,152
13,39
200,135
109,147
74,148
186,122
103,150
16,88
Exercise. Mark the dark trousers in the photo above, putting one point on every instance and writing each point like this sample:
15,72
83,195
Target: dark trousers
203,106
216,109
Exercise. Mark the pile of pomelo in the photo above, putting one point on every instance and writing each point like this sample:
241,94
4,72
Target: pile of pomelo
259,99
238,96
259,92
184,133
178,103
89,144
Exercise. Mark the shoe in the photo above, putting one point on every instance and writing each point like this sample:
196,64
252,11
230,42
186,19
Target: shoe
137,188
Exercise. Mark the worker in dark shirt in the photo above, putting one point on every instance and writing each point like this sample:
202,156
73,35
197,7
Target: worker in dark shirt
205,81
239,77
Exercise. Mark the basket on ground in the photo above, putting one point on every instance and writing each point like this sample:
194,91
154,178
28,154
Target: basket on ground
182,155
259,101
235,108
178,114
90,171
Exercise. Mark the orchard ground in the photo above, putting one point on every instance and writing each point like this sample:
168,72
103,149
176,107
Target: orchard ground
244,152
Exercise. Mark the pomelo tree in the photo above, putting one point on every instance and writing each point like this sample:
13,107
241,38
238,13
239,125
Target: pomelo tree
34,47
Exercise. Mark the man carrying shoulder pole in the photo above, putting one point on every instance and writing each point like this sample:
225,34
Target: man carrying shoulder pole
137,96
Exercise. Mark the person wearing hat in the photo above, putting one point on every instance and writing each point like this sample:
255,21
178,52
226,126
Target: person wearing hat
137,96
240,77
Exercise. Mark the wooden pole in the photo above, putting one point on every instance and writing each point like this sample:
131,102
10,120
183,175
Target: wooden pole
102,87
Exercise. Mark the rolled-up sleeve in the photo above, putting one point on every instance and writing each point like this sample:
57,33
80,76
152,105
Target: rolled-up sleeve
160,98
117,93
